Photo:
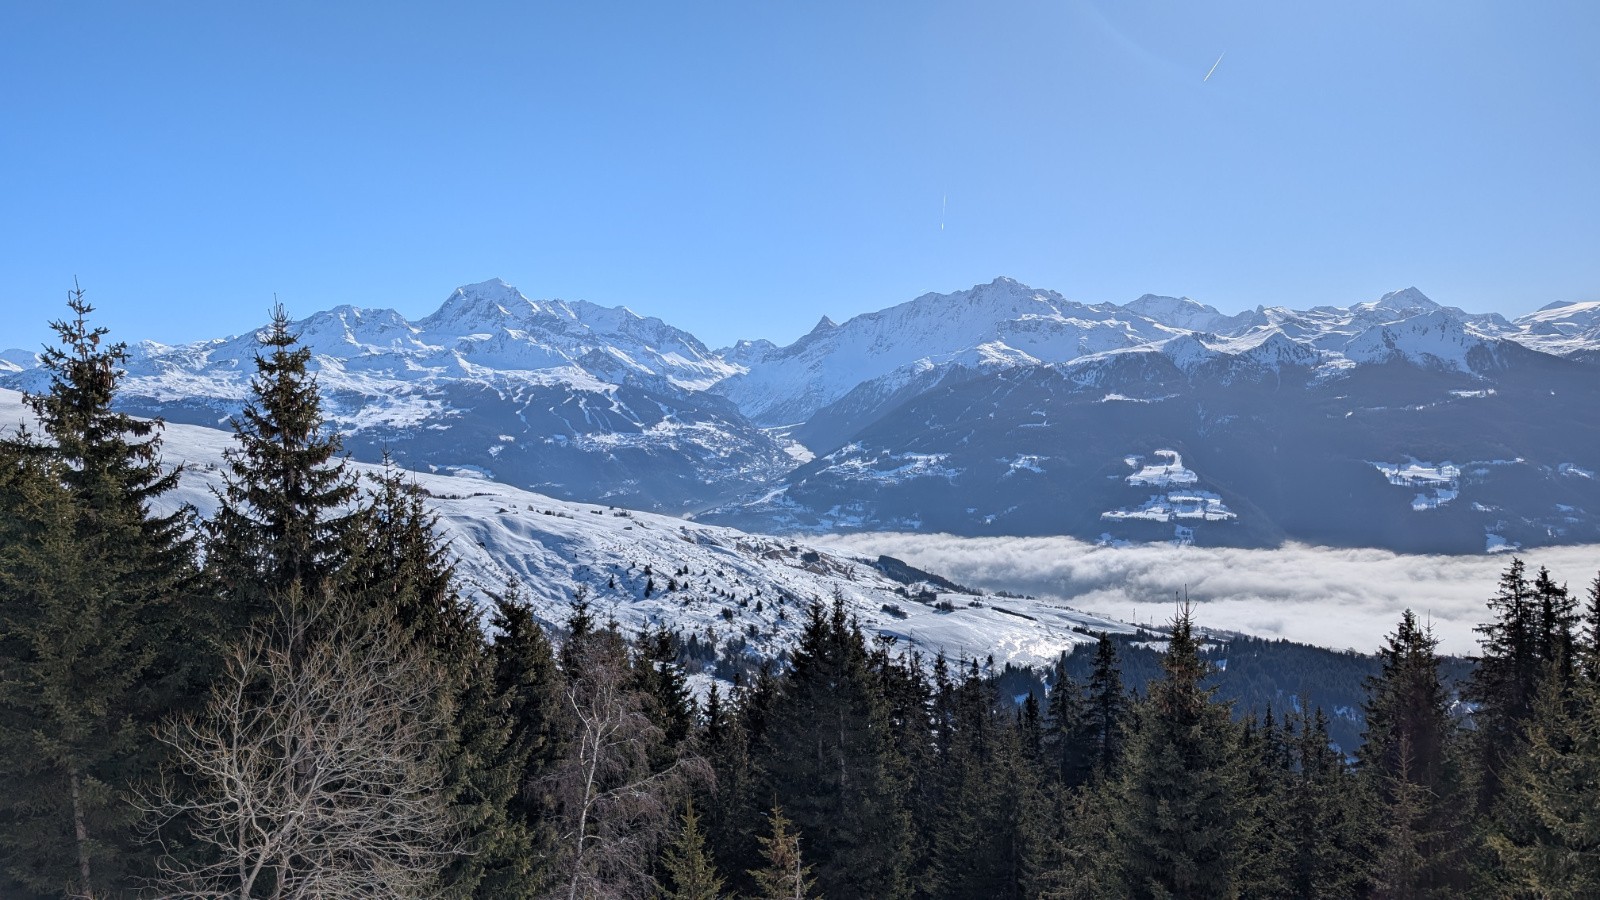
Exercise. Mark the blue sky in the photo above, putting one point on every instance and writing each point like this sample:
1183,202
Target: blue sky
741,168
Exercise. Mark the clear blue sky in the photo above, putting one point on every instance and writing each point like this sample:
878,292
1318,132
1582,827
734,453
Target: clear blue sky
740,168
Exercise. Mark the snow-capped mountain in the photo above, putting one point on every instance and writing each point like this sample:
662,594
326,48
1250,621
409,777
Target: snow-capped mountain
997,325
1001,409
573,398
1288,416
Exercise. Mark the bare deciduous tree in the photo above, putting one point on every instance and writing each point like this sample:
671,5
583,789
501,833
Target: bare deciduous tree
615,808
313,771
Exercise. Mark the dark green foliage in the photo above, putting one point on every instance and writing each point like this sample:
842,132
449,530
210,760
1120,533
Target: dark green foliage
828,756
1177,804
1325,819
283,518
1545,838
657,674
1410,765
1066,740
101,631
1104,718
976,850
1531,630
525,678
1265,851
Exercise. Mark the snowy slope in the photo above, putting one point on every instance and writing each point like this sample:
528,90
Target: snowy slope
738,585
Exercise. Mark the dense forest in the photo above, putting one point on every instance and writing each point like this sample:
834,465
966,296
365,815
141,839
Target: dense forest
291,699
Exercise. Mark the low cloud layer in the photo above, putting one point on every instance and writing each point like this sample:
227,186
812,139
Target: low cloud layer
1329,597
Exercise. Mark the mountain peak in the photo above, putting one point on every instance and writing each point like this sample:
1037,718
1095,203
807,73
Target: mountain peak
1409,298
1175,312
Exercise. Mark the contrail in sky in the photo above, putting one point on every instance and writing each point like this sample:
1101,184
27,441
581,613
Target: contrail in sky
1214,67
943,202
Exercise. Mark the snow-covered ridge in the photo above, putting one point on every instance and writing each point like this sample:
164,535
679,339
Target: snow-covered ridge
1005,323
643,568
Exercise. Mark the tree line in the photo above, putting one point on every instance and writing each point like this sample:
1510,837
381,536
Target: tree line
291,698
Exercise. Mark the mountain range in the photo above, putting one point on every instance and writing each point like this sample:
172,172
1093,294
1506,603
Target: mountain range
998,410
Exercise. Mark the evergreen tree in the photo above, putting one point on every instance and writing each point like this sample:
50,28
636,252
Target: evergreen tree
283,516
690,871
1545,837
399,573
1325,821
525,677
1176,804
827,755
1265,852
908,699
102,633
969,841
657,674
784,876
1531,629
1104,718
1409,762
1071,750
1587,653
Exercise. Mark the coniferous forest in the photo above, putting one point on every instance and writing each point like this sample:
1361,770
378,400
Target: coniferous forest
291,699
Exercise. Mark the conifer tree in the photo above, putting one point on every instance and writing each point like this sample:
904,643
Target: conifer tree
784,876
690,871
1545,835
1105,715
657,674
1071,750
526,680
1587,654
102,633
1325,822
1175,806
283,516
1408,758
1265,850
827,756
1531,629
969,857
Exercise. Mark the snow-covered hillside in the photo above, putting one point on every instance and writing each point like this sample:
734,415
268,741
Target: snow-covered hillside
642,568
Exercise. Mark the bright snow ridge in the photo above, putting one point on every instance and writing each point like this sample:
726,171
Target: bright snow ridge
728,585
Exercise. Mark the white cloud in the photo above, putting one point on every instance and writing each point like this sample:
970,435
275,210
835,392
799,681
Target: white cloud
1341,598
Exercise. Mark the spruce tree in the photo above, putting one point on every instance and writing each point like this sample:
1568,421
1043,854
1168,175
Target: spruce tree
691,874
1105,715
1545,836
1409,761
1265,850
102,632
1586,655
970,843
1532,626
784,875
283,516
1326,823
827,755
526,679
1176,804
1067,742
